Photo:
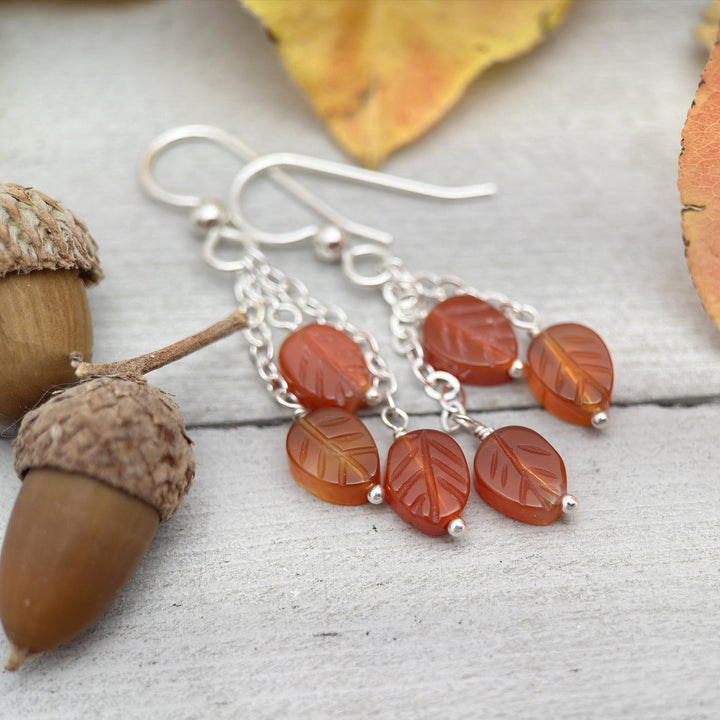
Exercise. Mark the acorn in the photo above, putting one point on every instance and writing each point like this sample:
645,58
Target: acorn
103,462
47,258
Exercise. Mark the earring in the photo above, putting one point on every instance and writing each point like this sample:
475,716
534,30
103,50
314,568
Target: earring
470,334
450,333
516,470
325,370
329,364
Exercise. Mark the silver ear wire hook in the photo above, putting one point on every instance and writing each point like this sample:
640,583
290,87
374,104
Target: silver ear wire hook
189,133
270,163
178,135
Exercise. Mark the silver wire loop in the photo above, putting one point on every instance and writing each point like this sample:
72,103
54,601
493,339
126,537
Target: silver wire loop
395,418
353,256
269,163
441,385
215,237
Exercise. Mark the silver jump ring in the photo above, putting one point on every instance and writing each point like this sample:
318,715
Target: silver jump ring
523,317
450,385
352,256
220,234
395,418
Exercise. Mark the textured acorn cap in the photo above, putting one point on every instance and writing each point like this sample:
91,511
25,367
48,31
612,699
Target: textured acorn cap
123,432
39,233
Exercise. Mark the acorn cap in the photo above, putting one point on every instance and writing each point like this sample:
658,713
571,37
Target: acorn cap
39,233
123,432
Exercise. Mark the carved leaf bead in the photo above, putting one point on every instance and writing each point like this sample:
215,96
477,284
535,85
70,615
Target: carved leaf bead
324,367
570,371
333,456
521,475
471,339
427,481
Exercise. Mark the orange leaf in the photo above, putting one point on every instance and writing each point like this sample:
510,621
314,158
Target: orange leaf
332,454
427,481
699,183
323,366
381,72
520,474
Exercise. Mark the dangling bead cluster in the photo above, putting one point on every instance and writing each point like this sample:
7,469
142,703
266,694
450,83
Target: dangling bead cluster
568,366
452,335
326,371
333,455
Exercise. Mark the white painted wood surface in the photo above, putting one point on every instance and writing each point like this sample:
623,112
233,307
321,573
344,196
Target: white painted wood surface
259,601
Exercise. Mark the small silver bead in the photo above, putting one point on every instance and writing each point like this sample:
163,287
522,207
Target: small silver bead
207,215
329,243
376,495
373,396
600,420
456,527
569,503
517,369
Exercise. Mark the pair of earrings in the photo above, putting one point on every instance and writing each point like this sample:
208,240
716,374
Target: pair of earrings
326,369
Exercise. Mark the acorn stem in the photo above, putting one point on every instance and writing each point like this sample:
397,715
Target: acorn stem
16,657
139,366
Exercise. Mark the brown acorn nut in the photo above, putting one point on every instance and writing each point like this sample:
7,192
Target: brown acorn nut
103,462
47,257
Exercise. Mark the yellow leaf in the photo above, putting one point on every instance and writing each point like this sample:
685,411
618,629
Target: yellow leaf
707,31
381,72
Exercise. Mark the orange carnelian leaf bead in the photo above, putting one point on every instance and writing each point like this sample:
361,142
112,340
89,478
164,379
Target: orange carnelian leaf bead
570,371
520,474
427,481
333,455
323,366
471,339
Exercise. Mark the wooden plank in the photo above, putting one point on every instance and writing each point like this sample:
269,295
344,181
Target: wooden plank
258,600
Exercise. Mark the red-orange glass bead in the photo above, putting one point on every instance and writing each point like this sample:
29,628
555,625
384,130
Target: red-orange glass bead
521,475
333,455
570,371
471,339
324,367
427,481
